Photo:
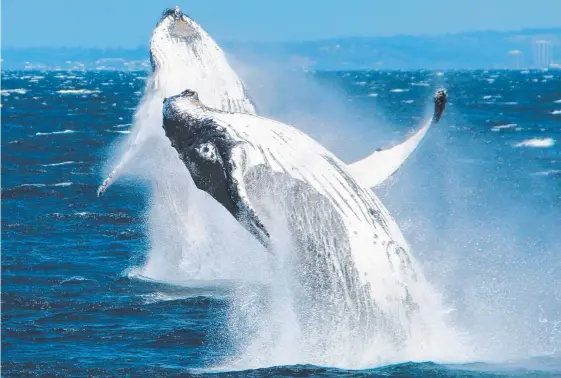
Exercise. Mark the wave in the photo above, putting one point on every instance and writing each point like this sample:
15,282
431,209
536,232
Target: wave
77,91
119,131
373,95
536,142
501,127
487,97
16,90
556,112
57,164
122,125
74,280
408,101
67,131
41,185
103,217
548,173
557,101
420,84
399,90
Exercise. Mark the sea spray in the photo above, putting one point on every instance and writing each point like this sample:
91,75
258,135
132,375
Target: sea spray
288,306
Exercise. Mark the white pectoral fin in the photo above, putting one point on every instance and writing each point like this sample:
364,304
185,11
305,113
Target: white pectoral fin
378,167
382,164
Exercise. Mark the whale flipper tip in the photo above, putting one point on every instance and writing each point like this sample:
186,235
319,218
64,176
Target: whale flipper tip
440,99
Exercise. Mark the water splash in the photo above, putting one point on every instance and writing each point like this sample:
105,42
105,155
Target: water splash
289,307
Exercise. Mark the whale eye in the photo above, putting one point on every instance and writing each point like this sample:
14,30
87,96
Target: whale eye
208,151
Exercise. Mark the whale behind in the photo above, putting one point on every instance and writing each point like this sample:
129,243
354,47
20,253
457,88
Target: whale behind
183,56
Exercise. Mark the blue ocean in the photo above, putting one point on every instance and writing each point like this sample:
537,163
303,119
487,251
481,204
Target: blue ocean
479,202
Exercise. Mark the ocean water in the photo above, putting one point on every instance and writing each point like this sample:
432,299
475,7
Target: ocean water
479,202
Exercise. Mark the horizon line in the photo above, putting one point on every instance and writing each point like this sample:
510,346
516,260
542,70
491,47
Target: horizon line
424,35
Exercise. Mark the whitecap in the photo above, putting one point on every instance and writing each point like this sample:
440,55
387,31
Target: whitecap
7,92
408,101
41,185
399,90
119,131
34,185
487,97
74,279
509,103
77,91
57,164
536,142
373,95
67,131
547,173
420,84
556,112
501,127
557,101
123,125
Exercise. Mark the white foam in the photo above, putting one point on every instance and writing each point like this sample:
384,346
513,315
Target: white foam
40,185
556,112
119,131
373,95
557,101
77,91
547,173
57,164
67,131
7,92
399,90
408,101
536,142
501,127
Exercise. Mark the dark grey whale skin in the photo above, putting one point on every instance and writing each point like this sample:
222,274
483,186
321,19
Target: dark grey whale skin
214,177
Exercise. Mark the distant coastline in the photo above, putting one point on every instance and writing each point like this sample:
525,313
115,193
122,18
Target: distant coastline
471,50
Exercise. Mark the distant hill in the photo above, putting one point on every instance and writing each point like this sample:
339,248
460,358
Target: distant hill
481,49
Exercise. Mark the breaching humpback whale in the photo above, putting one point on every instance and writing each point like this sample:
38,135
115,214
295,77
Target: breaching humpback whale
267,173
184,56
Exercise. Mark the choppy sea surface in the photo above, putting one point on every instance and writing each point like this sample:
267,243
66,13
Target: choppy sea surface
480,203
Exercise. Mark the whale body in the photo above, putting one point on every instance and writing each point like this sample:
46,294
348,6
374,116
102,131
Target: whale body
348,251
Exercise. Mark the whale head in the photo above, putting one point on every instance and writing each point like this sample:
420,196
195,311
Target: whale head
209,151
174,34
183,56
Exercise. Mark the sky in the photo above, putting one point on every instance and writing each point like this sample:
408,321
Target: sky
128,23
